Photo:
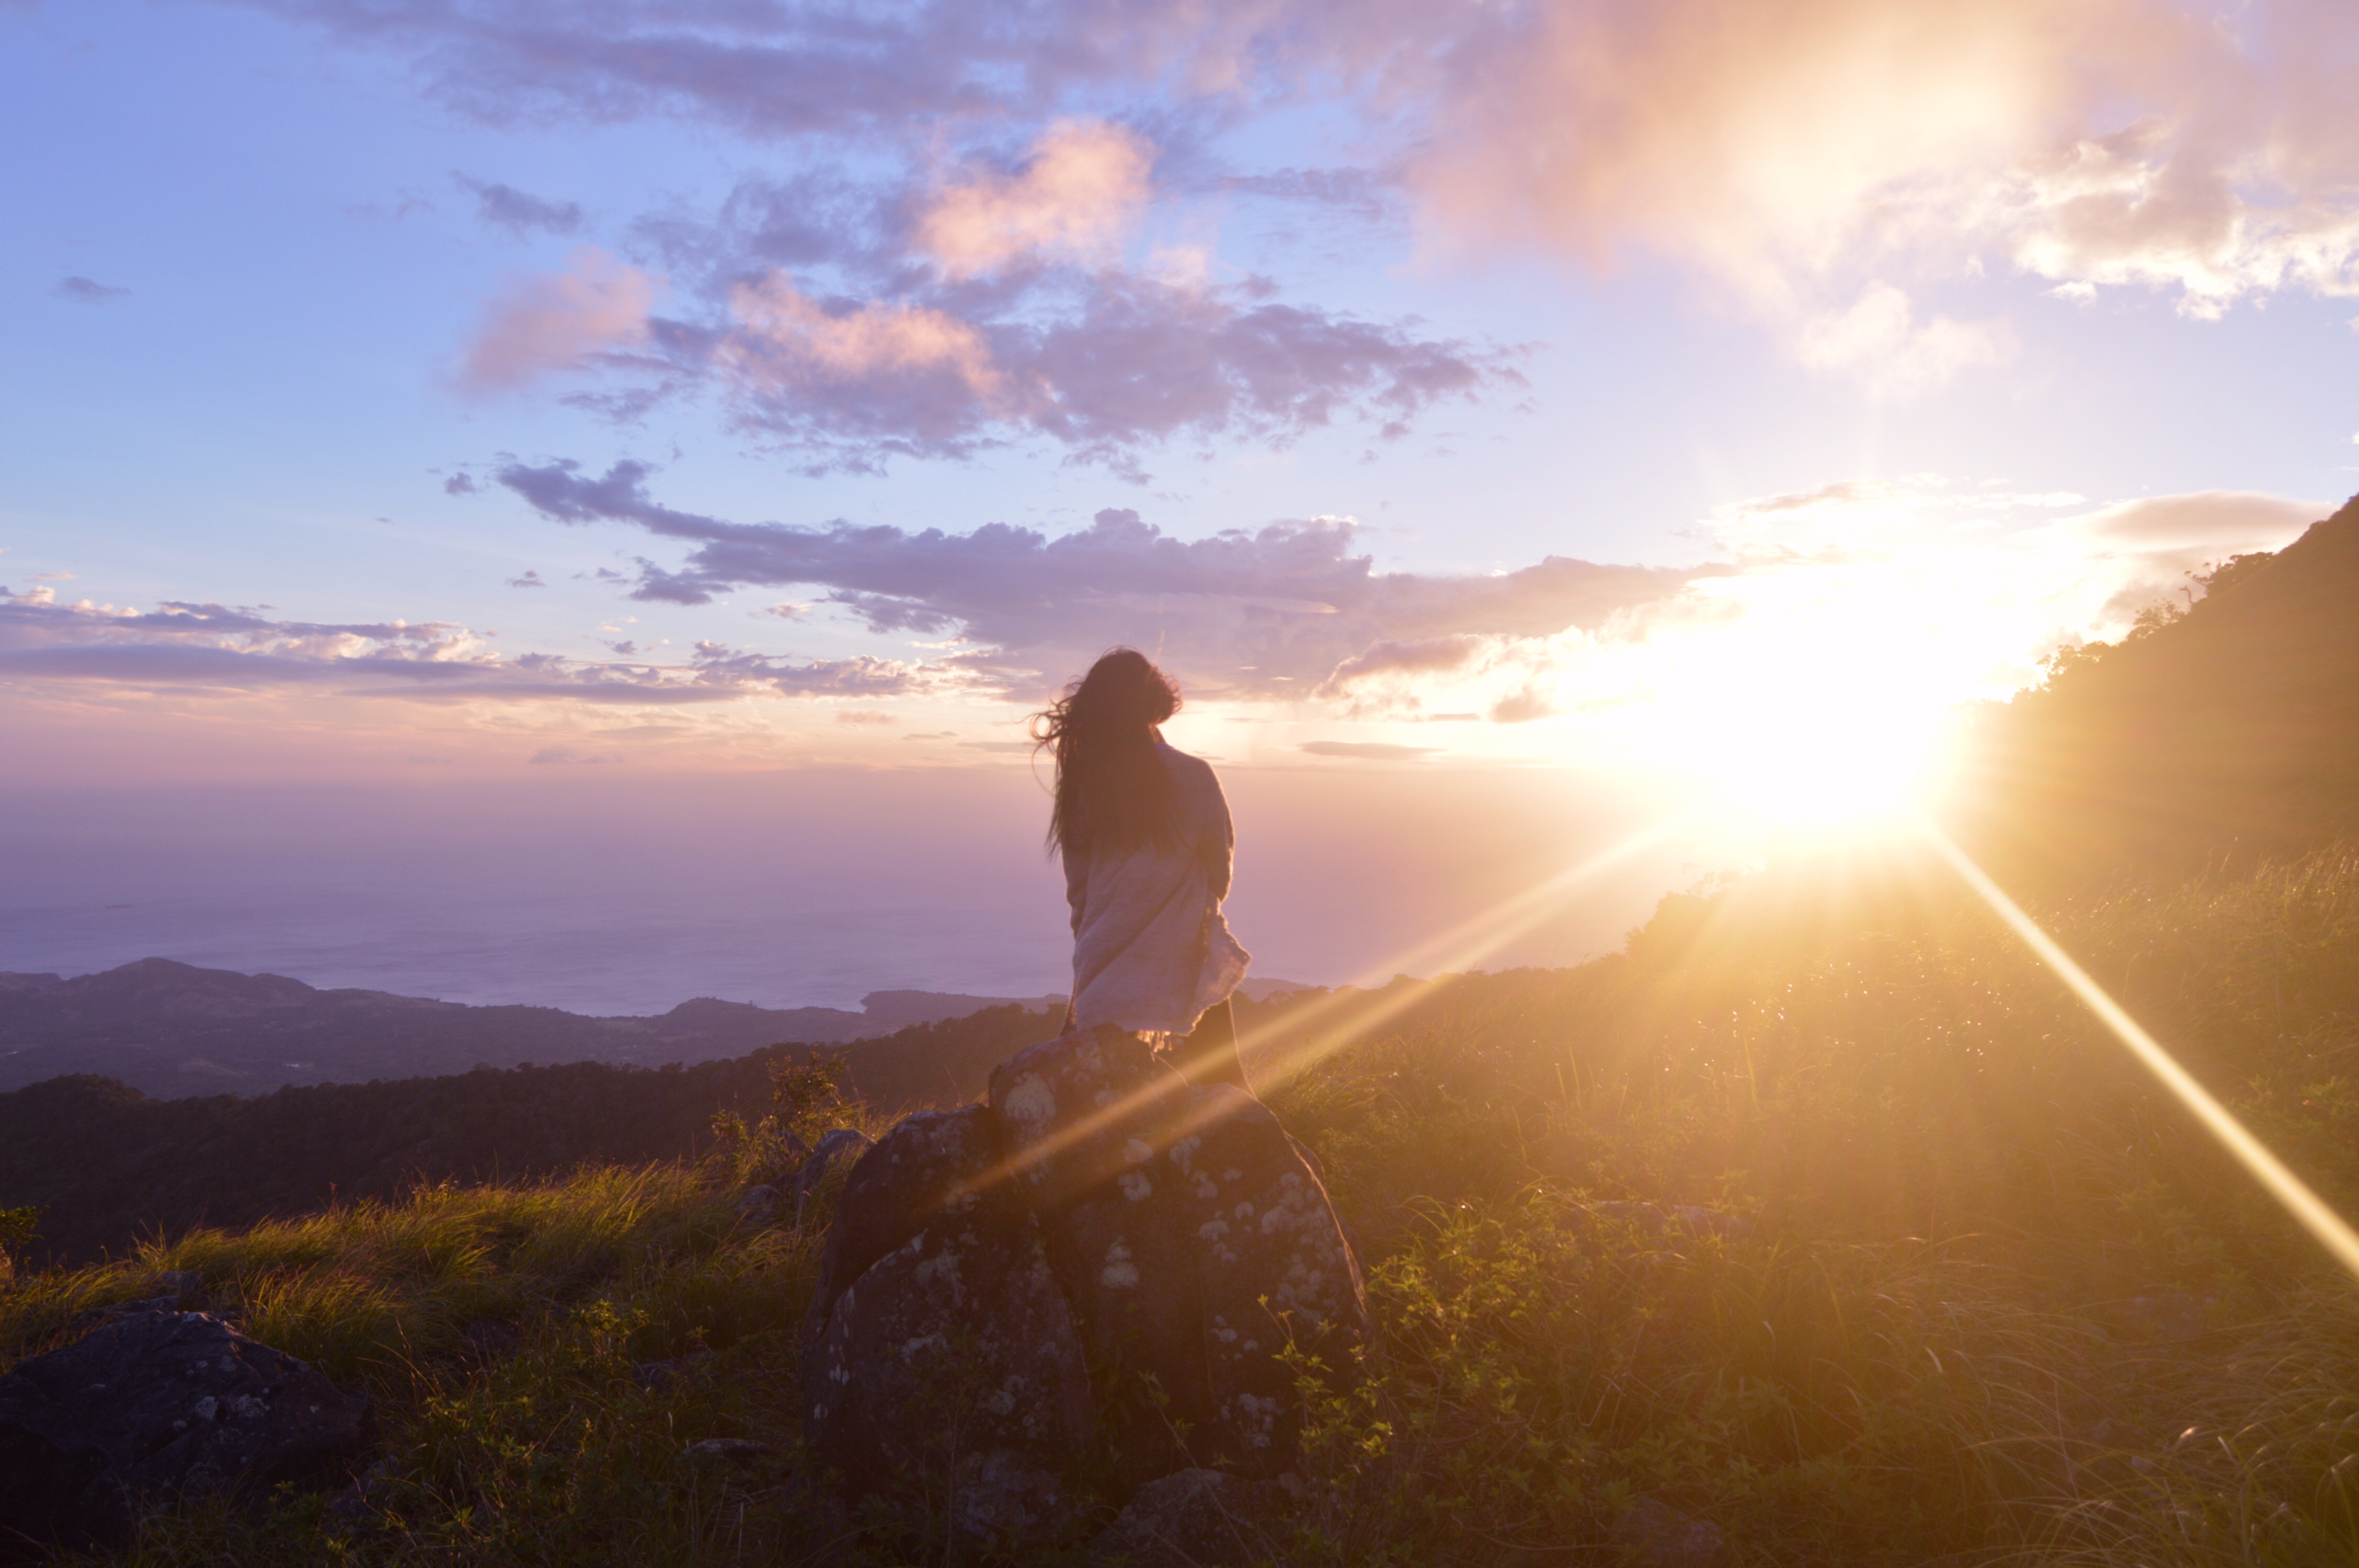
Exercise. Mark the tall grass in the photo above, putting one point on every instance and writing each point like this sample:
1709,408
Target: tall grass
1969,1288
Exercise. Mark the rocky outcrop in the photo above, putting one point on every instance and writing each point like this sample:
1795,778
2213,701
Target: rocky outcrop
158,1406
1097,1270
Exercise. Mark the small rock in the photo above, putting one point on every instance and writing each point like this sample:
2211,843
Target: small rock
1660,1536
656,1376
160,1406
843,1146
358,1504
741,1451
1192,1518
184,1286
759,1207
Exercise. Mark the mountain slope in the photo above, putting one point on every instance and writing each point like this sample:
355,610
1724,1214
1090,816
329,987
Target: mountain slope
2230,731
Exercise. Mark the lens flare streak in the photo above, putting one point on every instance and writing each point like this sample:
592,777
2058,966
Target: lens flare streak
1307,1029
2305,1206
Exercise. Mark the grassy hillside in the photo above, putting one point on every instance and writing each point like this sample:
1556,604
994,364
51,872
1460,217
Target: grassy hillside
1975,1292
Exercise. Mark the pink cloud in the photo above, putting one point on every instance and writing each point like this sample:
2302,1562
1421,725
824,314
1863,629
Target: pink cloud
1079,197
547,322
783,344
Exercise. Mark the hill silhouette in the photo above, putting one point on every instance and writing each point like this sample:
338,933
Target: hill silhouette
173,1030
2227,730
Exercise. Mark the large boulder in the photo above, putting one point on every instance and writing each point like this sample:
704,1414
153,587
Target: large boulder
1273,1269
949,1370
934,1164
158,1406
1098,1213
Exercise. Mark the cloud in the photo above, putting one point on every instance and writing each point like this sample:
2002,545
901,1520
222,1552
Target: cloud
184,646
2209,519
1103,363
1864,607
1079,198
567,755
459,485
894,371
88,291
819,70
1878,341
560,322
1522,706
1366,751
520,212
1796,149
1430,655
919,313
862,716
531,578
1264,613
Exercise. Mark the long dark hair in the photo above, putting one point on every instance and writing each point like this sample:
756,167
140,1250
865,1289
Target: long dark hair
1113,793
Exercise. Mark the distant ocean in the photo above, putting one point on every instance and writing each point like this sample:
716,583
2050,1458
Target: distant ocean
629,897
586,958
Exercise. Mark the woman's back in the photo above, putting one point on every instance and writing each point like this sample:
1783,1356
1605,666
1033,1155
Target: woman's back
1146,838
1150,949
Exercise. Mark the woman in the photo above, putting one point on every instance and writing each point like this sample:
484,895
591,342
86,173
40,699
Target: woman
1145,834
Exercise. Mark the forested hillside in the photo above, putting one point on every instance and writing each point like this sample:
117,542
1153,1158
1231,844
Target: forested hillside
105,1163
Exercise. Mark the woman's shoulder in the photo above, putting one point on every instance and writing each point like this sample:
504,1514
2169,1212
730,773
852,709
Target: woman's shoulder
1192,776
1182,765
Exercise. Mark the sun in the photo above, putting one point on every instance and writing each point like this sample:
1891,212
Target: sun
1812,761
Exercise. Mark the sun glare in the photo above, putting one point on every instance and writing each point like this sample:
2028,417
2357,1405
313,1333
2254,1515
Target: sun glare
1806,766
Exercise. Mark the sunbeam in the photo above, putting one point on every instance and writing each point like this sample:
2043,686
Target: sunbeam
1313,1030
2305,1206
1462,945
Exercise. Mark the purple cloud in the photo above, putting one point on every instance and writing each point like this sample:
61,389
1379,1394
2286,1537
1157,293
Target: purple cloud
183,646
518,212
787,69
1267,613
1136,361
88,291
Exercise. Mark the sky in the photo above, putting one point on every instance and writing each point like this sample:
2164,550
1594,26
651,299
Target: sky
543,412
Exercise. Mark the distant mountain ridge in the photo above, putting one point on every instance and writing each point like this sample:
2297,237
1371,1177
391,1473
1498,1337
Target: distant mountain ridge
170,1029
